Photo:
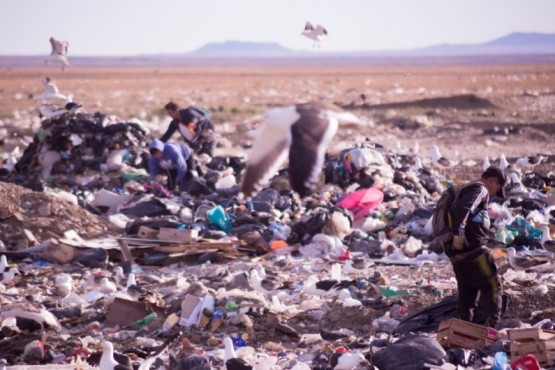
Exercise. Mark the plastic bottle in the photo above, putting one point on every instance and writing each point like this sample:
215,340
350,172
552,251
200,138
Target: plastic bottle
231,306
170,322
146,320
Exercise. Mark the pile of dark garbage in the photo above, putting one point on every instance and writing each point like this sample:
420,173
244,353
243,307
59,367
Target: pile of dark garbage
200,276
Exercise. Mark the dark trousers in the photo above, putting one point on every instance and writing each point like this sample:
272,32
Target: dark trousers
206,148
478,275
171,183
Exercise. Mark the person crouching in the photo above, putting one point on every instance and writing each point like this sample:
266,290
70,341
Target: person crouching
170,159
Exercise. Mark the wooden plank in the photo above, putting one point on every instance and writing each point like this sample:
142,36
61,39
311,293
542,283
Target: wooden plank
189,247
127,256
147,232
458,333
530,334
183,236
144,240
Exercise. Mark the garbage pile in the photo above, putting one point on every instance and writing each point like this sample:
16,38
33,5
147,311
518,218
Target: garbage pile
347,277
83,150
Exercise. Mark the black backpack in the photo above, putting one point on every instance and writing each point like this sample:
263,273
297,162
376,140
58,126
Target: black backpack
441,218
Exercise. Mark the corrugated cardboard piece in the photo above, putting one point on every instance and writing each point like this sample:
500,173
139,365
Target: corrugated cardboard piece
59,253
188,305
123,312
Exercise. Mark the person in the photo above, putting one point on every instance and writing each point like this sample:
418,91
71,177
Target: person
473,265
197,130
172,157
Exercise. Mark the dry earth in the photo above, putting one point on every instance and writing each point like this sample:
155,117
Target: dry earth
449,105
457,107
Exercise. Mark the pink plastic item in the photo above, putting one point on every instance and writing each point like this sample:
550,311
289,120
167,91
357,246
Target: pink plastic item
361,202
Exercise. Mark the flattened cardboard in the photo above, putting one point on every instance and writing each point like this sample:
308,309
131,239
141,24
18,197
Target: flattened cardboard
59,253
123,312
188,305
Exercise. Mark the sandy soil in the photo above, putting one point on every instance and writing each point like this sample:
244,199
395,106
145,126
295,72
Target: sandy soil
468,111
449,105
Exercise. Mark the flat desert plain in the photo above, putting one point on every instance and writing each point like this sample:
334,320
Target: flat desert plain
470,110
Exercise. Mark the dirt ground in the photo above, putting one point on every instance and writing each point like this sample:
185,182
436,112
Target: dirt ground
469,111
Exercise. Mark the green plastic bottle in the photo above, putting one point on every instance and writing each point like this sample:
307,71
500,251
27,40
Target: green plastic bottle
146,320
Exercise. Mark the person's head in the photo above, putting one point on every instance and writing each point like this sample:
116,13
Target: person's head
172,109
156,148
494,179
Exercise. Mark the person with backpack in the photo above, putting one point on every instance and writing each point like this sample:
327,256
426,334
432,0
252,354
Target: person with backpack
473,265
194,125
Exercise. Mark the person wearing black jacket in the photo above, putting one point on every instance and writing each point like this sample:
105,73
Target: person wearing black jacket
197,130
473,265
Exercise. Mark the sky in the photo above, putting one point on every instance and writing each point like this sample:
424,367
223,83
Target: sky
139,27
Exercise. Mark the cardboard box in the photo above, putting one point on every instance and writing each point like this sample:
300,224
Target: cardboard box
176,235
59,253
458,333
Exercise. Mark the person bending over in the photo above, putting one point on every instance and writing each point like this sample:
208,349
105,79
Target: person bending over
195,128
170,158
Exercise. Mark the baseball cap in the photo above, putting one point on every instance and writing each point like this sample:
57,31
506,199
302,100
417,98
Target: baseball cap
493,171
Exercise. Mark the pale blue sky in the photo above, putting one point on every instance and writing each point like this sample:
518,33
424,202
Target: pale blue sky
131,27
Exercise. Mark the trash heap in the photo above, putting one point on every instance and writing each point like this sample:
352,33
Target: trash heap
83,150
349,274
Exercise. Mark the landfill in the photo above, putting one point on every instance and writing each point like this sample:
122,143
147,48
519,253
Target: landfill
98,259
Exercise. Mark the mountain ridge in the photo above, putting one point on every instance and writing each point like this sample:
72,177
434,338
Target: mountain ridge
514,43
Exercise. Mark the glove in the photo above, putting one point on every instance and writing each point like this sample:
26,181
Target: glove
458,242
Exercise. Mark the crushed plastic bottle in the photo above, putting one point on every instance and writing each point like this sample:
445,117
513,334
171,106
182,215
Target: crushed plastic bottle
145,320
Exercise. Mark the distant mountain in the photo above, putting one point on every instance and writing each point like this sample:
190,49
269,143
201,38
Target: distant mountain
241,48
515,48
513,44
517,43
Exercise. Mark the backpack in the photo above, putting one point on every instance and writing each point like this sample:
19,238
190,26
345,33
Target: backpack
441,218
201,113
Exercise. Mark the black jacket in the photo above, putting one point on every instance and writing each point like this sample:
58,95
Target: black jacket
189,115
469,217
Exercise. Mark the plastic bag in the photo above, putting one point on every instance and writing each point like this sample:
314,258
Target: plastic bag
410,353
361,202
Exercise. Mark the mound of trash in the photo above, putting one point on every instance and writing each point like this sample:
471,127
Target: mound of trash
82,150
349,276
29,217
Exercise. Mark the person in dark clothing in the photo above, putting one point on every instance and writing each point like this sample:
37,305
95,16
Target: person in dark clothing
197,130
171,157
473,265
